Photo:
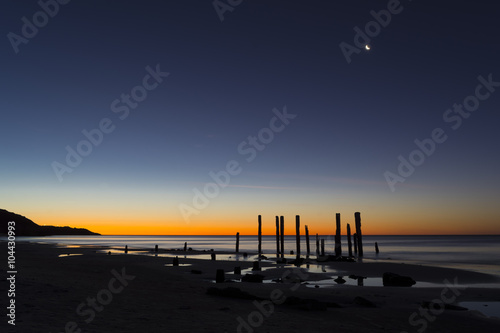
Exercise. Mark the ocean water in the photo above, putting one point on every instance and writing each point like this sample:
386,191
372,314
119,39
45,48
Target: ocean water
478,253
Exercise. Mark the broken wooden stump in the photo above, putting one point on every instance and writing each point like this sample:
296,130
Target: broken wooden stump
338,246
297,235
349,244
237,242
357,219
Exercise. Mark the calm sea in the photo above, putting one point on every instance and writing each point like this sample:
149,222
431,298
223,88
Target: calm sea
479,253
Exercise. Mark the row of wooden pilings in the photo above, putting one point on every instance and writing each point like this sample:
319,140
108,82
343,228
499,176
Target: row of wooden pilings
280,238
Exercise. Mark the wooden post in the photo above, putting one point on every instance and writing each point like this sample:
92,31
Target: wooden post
355,238
126,249
237,242
338,247
185,246
357,219
322,246
317,245
212,255
156,248
219,276
282,230
349,244
376,248
297,234
277,237
175,262
307,242
260,236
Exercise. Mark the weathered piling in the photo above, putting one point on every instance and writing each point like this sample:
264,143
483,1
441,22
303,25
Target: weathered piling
282,230
277,237
308,248
185,246
349,244
237,242
376,248
317,245
175,262
357,219
338,246
156,248
212,255
322,246
297,234
126,249
219,276
355,238
260,236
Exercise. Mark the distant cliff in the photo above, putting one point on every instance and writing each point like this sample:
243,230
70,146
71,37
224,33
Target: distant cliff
26,227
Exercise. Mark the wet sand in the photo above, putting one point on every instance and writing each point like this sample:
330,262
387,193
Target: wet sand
96,292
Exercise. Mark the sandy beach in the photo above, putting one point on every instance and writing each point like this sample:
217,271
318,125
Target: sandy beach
96,292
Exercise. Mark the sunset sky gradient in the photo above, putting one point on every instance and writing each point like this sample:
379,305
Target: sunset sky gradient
352,120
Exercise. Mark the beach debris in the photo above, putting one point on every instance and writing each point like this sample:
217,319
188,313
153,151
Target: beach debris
376,248
230,292
349,244
338,246
256,278
237,270
361,301
396,280
256,266
237,242
219,276
340,280
175,261
297,235
357,219
126,249
308,248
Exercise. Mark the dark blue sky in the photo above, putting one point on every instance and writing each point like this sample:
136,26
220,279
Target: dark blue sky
352,120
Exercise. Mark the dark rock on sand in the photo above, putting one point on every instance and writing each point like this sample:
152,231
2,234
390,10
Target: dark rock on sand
396,280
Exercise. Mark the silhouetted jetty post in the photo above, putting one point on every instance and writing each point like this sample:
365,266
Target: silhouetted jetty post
308,248
338,246
282,231
126,249
156,248
237,242
219,276
297,234
357,219
322,246
185,246
260,236
277,237
349,244
176,261
355,238
317,245
376,248
212,255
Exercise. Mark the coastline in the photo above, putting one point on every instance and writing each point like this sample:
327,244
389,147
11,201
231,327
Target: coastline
51,290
